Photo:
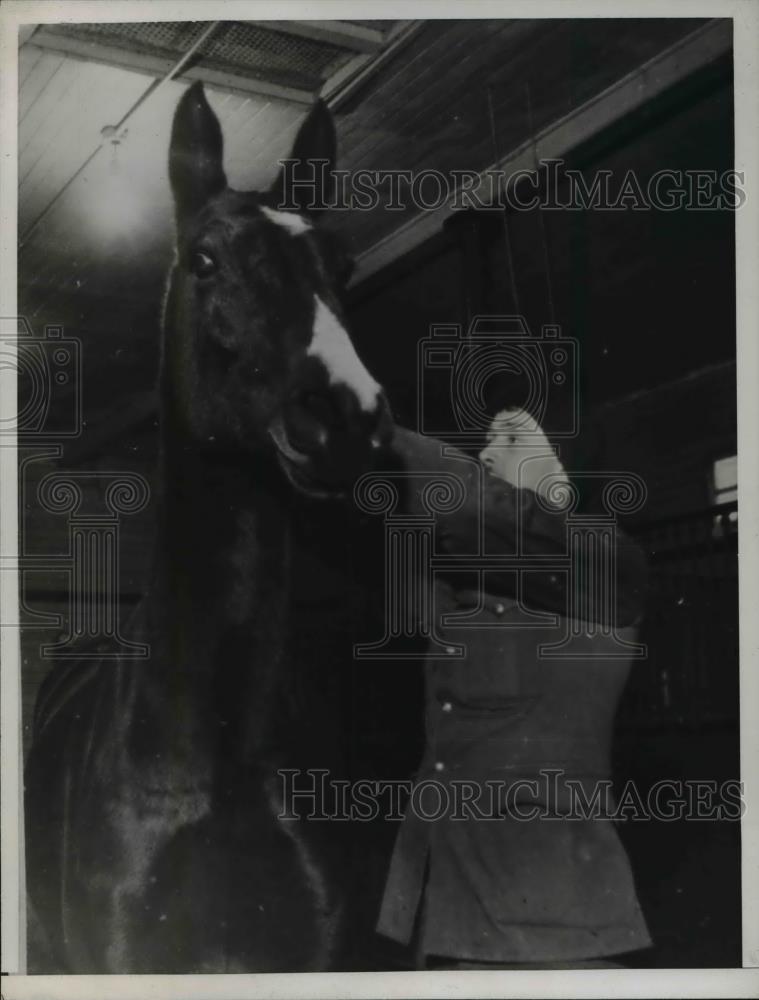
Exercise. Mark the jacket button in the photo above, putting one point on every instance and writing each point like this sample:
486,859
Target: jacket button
439,765
446,706
499,609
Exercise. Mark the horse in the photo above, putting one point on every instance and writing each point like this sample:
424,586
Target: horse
153,802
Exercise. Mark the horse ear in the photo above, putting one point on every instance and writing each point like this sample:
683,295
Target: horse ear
306,182
195,154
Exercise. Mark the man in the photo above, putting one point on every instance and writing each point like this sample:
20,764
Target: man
520,879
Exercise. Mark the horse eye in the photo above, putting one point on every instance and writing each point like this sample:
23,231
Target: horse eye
202,264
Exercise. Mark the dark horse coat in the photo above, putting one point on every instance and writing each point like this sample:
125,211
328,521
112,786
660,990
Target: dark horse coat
152,795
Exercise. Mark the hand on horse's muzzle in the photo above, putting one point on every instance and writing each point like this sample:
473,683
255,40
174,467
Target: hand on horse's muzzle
330,439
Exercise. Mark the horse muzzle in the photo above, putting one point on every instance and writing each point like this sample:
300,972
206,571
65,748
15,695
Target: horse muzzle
324,441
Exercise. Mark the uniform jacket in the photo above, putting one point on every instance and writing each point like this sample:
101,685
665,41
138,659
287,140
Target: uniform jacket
525,733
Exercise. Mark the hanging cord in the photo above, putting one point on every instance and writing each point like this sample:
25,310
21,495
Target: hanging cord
115,133
541,218
506,234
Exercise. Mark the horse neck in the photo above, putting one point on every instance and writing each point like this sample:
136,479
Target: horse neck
222,567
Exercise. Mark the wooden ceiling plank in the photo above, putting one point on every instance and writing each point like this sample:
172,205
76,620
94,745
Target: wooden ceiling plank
284,120
158,66
675,63
105,97
236,134
222,106
341,34
43,72
428,62
430,53
342,84
521,53
46,134
238,139
247,85
234,119
27,60
25,32
364,122
46,104
269,153
462,59
467,144
553,46
241,113
345,73
428,115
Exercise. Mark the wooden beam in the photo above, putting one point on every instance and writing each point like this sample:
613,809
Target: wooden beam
342,34
158,66
637,88
359,70
25,32
335,83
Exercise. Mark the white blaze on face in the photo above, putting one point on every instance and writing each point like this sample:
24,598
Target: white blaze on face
519,452
291,221
333,347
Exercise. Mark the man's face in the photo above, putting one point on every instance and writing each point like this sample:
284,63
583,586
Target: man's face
518,451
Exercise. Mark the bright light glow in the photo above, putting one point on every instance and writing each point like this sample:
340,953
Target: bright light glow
116,203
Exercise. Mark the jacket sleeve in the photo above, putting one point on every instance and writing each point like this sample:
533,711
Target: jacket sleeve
495,512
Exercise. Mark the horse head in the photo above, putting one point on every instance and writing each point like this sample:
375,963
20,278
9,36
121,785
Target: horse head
256,353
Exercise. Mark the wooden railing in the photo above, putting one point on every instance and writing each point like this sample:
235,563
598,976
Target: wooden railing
690,676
